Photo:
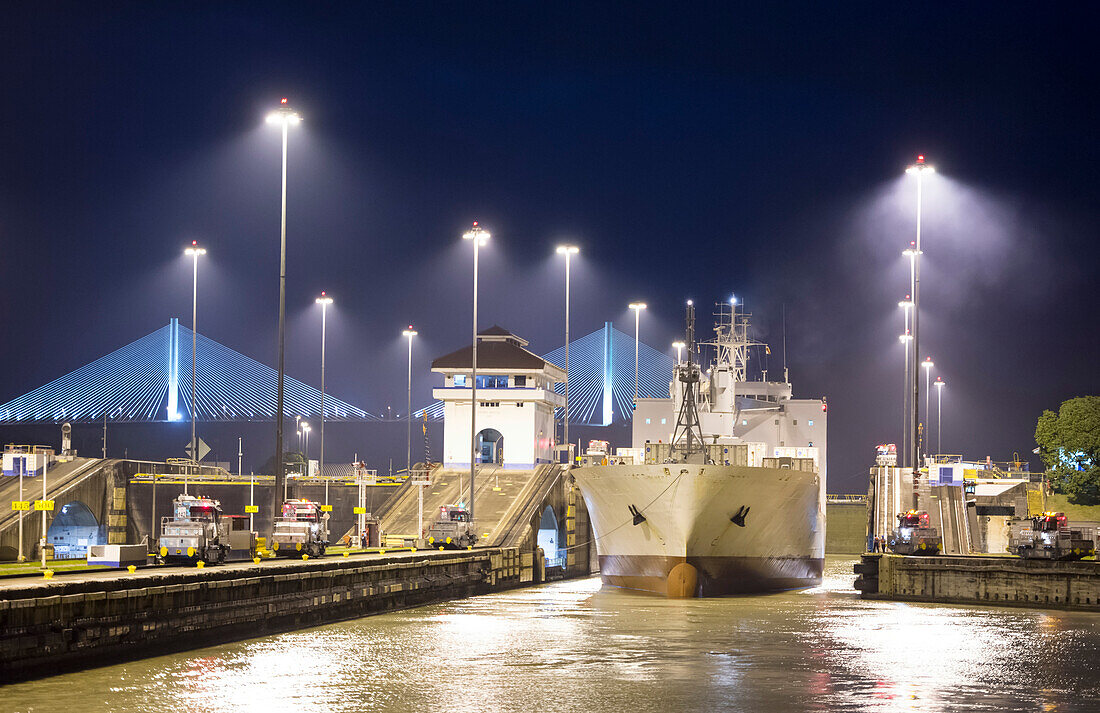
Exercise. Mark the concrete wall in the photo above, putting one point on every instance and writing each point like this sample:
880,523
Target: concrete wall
1001,581
47,627
845,528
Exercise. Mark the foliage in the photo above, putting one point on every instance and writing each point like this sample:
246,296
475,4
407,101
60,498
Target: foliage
1069,444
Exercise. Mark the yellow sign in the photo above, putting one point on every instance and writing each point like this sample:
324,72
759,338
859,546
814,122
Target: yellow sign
326,508
359,511
20,504
251,508
43,505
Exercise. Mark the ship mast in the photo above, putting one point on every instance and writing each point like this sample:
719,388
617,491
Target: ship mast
687,438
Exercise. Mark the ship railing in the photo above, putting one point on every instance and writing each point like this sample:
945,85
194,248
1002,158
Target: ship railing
846,498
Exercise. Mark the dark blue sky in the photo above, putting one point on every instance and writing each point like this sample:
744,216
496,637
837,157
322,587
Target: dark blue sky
691,150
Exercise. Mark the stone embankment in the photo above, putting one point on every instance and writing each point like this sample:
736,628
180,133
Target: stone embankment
87,620
978,579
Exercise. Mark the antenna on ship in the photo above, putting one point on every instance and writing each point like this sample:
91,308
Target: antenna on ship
687,438
786,377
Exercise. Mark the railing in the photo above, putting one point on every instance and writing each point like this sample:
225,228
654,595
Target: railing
842,498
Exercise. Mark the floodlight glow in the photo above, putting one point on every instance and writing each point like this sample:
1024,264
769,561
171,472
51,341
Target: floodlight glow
324,299
637,305
567,249
939,381
927,363
284,114
920,166
410,332
478,232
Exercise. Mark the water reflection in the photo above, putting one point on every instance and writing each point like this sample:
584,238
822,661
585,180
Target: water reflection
576,647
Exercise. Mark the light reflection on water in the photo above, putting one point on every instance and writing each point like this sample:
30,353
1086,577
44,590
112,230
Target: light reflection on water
573,646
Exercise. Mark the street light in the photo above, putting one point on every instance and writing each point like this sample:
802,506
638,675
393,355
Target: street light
919,168
285,117
678,346
324,300
905,305
193,251
927,364
568,251
939,414
478,236
637,307
305,436
409,333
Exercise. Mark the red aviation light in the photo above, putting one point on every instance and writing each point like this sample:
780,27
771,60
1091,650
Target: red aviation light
283,101
920,157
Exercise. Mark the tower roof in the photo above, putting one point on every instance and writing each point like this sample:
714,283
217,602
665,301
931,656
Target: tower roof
497,349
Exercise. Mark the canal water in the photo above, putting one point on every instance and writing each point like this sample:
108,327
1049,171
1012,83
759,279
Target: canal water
573,646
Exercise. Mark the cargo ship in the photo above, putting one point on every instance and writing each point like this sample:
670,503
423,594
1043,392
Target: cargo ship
723,490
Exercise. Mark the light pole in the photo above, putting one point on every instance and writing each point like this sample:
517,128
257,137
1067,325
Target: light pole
285,117
927,364
324,300
939,414
568,251
409,334
906,339
478,236
905,305
306,428
637,307
193,251
919,168
678,346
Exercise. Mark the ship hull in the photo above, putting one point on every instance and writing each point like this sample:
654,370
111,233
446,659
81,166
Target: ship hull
690,540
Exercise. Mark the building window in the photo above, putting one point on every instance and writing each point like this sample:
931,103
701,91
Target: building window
460,380
744,422
521,380
777,422
647,421
811,422
488,404
519,404
796,422
491,381
664,420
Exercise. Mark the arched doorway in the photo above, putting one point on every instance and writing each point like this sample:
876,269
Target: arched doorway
548,539
73,530
490,446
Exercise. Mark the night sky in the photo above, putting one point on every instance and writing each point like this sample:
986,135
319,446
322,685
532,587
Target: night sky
691,151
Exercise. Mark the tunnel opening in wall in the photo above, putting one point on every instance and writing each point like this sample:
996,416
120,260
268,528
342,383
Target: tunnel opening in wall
490,446
549,539
74,529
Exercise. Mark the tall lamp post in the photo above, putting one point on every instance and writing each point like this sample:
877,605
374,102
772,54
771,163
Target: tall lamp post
409,334
919,168
927,364
905,305
939,414
285,117
637,307
324,300
568,251
193,251
478,236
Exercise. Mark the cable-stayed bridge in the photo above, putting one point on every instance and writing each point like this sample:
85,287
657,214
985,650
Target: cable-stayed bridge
150,380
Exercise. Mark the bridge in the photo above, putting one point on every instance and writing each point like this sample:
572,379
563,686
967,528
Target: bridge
141,382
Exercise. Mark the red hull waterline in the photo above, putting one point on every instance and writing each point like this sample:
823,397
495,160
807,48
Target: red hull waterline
710,576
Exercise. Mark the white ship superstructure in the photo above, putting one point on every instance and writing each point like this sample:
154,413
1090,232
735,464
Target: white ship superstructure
727,493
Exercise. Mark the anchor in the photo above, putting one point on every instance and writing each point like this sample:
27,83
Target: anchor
639,518
739,516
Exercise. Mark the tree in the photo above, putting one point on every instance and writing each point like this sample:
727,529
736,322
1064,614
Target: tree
1069,444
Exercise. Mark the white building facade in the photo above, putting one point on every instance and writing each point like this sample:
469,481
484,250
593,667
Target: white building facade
516,403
